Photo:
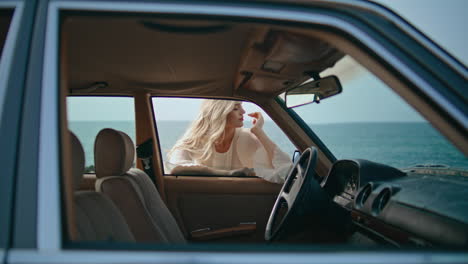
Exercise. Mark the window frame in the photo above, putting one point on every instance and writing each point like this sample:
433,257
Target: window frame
387,88
105,96
308,130
48,227
162,159
7,158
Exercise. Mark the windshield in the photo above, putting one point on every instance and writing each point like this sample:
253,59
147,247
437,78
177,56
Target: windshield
369,121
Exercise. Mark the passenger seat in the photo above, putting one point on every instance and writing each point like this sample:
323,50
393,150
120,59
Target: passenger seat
96,217
132,190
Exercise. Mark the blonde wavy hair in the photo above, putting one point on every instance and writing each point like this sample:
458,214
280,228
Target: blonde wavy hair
206,130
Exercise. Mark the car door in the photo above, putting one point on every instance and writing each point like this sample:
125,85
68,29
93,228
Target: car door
15,34
6,184
40,220
216,203
238,205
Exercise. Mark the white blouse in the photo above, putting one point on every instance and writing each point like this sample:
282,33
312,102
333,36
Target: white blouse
245,151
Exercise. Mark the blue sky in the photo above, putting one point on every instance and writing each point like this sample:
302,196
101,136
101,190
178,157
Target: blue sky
443,21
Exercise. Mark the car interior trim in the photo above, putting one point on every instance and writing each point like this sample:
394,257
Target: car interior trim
145,126
67,178
380,230
381,10
49,212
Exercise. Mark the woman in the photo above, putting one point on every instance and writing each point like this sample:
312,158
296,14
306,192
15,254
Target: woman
216,143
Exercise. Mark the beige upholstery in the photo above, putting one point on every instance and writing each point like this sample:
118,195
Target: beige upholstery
132,190
97,218
78,161
114,153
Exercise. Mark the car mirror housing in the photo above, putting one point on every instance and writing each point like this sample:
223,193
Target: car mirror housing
296,155
313,91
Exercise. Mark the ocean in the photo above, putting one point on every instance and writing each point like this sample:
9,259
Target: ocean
400,145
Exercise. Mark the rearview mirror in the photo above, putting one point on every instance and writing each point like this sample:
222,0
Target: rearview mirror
313,91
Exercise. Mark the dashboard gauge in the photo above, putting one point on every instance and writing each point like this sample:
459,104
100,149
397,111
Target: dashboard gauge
343,182
352,185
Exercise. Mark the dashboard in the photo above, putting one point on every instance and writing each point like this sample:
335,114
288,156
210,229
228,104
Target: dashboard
401,208
347,176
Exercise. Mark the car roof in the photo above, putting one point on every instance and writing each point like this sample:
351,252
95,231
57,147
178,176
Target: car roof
123,55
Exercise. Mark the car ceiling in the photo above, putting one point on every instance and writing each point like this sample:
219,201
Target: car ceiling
111,55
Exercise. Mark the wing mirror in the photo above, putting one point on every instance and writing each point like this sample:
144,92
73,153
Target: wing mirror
313,92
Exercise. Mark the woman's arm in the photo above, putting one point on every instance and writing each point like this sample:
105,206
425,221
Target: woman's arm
181,163
204,170
257,130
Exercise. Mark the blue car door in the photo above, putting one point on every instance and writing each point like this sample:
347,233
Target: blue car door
16,28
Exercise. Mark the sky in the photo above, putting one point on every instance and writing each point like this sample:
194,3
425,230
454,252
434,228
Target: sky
364,99
442,21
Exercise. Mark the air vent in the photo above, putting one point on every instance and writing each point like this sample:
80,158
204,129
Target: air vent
363,195
381,201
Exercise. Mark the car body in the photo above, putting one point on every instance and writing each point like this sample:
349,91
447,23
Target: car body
245,50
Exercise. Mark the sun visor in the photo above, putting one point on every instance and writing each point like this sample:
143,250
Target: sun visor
282,60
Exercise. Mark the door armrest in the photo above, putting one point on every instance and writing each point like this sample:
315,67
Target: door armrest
209,234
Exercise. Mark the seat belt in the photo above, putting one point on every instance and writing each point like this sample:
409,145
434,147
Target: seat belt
145,153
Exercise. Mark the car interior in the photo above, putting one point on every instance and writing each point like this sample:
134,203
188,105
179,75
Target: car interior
5,20
323,200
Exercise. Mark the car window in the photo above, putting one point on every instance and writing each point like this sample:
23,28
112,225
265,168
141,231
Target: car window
87,115
369,121
173,122
6,16
5,19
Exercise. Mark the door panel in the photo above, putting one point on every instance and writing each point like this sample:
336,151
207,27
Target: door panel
221,202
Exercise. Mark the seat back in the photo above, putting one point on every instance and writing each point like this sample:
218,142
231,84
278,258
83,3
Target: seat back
132,190
96,217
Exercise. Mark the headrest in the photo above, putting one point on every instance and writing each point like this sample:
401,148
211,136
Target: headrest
114,153
78,161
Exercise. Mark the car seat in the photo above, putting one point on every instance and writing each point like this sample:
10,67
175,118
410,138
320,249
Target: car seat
132,190
96,217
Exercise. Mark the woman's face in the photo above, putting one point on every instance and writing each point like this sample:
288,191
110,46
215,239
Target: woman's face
236,117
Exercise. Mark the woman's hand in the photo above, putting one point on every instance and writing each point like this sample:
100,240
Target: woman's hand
257,122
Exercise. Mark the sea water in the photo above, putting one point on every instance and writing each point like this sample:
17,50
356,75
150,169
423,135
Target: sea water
400,145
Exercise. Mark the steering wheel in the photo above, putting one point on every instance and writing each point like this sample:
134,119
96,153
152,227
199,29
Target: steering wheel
294,195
